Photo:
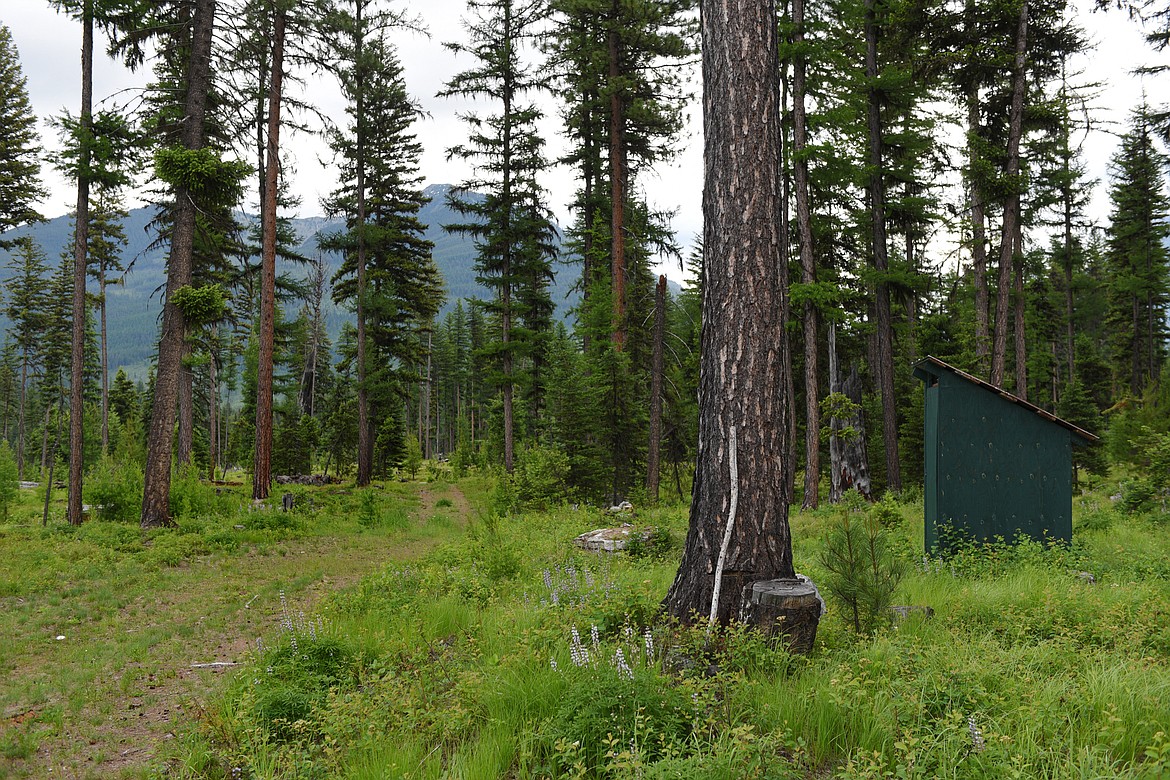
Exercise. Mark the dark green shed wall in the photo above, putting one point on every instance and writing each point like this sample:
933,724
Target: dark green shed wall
993,467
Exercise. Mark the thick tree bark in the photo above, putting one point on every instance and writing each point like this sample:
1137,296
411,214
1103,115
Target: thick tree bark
262,463
881,262
741,376
80,254
156,490
617,179
808,268
1011,206
652,455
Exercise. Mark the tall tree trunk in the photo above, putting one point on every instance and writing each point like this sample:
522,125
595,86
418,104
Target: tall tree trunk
652,455
978,217
21,427
262,470
1011,206
53,462
105,358
617,179
80,256
426,410
1019,305
212,413
785,305
808,268
741,376
881,262
185,441
156,489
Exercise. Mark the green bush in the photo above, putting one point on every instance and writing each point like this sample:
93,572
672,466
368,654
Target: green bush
115,489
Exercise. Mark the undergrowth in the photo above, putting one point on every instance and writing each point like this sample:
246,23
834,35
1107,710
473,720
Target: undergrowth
510,653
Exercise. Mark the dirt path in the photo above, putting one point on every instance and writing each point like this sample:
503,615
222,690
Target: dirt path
180,649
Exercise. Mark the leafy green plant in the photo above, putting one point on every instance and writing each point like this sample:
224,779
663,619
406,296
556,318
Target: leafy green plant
863,573
115,489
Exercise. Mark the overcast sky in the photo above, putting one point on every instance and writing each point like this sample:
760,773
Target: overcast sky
49,46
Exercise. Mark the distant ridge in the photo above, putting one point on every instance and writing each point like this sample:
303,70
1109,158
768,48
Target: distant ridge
134,306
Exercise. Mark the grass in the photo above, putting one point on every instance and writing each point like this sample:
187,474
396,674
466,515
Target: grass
103,623
453,657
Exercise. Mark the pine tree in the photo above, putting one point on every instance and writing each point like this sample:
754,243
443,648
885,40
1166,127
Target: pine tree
1137,259
387,273
20,185
26,310
503,205
741,375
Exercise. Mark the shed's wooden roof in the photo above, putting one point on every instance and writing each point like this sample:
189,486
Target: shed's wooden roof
927,363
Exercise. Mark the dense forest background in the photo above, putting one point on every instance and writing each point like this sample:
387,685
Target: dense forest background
463,322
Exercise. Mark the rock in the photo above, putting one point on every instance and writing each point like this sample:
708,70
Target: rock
608,539
315,480
904,612
622,508
1086,578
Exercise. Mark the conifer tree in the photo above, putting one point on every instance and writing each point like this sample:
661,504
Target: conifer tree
503,204
20,185
387,273
26,294
1137,258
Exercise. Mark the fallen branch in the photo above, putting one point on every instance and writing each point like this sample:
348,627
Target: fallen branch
215,665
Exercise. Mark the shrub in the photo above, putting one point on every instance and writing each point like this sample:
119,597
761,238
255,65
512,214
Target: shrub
115,488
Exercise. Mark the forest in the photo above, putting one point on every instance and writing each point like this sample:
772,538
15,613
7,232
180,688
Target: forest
425,602
941,125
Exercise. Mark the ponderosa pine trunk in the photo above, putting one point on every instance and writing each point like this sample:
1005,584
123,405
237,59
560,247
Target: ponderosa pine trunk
1011,206
810,317
881,262
262,463
653,452
156,489
1019,303
741,375
785,305
80,255
977,209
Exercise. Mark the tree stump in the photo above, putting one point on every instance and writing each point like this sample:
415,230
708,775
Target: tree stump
287,501
786,610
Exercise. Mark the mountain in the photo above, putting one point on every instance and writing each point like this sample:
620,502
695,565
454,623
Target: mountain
133,307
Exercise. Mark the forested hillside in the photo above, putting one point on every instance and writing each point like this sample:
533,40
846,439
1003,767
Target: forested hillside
932,199
133,303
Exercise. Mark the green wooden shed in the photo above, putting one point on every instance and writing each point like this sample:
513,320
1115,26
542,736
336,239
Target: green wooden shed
995,464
